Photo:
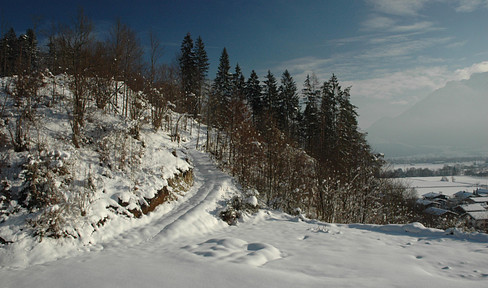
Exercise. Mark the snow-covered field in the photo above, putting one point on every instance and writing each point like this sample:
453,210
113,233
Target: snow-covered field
425,185
431,166
187,246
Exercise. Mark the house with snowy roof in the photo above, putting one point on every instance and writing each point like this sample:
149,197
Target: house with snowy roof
479,200
461,197
440,212
466,208
477,219
434,195
433,199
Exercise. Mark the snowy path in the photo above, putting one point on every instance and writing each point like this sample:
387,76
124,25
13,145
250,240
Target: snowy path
184,217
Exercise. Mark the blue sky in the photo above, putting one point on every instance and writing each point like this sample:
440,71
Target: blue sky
392,52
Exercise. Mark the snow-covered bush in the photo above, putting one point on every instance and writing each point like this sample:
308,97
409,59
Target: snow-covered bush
49,222
40,189
119,151
50,194
237,206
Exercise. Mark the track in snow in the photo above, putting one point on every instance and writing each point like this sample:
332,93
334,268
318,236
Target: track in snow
195,214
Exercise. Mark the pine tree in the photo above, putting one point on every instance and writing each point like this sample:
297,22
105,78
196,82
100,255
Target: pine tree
28,52
201,63
290,104
254,95
311,114
10,53
270,96
222,90
329,110
189,74
238,84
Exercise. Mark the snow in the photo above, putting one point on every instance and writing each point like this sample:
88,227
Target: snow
473,207
424,185
252,200
183,243
275,250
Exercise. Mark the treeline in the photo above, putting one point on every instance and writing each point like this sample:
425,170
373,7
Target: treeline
446,170
421,172
309,156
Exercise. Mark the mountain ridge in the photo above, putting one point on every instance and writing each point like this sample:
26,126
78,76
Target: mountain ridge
448,122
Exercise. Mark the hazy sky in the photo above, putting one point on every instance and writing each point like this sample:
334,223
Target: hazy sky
392,52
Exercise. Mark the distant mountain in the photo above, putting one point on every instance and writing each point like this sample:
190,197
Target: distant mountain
451,121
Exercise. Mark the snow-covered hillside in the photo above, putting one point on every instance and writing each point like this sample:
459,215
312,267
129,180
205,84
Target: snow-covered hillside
183,242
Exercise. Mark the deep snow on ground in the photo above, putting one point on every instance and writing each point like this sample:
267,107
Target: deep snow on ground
187,246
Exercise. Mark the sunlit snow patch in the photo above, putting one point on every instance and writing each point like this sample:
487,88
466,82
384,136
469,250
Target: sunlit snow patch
236,250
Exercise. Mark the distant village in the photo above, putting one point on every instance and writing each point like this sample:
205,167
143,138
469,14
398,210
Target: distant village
463,208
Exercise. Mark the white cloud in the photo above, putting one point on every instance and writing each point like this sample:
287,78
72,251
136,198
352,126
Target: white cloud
465,73
403,46
419,26
305,65
378,23
471,5
391,94
388,86
413,7
398,7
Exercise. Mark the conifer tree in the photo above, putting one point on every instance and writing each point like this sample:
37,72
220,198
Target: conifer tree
254,95
189,74
328,120
28,52
270,96
222,89
289,102
238,84
201,63
9,46
311,114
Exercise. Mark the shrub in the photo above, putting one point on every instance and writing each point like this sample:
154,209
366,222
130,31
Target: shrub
236,207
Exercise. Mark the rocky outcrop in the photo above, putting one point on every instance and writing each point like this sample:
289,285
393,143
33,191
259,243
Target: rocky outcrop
177,185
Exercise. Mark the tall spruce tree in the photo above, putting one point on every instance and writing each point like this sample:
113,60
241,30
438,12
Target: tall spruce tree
254,95
10,52
238,84
270,95
329,110
28,52
188,71
290,104
201,62
222,90
311,122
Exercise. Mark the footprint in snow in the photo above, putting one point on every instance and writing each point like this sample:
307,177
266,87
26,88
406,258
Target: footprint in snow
236,250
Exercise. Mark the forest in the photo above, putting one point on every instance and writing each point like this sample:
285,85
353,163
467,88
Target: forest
300,149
